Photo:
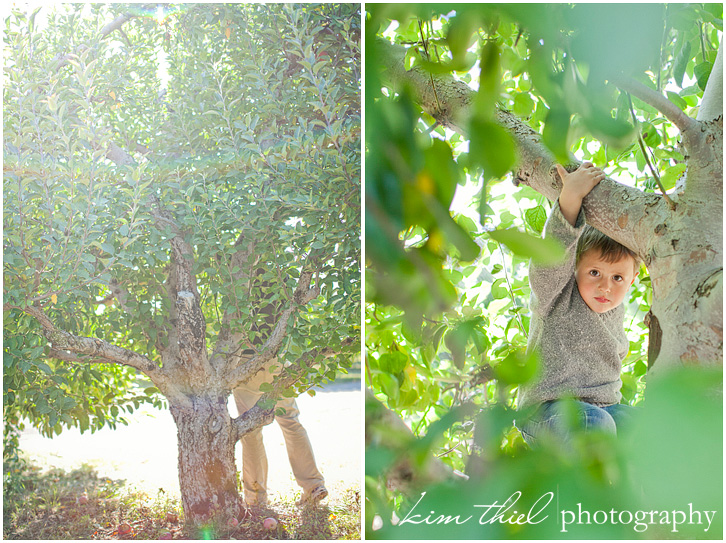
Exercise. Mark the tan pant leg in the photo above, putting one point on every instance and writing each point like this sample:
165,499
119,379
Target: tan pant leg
254,457
299,449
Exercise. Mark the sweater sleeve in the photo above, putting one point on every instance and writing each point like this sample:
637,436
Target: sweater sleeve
547,282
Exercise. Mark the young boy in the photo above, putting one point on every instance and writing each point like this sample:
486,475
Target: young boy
577,319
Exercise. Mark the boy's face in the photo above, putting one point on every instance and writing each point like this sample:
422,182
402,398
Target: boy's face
603,285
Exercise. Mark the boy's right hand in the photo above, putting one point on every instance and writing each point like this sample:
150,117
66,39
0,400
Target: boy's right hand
575,186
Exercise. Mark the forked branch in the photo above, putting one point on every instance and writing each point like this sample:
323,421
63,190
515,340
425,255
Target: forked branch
302,295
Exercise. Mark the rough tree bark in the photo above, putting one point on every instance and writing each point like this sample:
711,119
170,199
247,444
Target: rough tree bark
681,247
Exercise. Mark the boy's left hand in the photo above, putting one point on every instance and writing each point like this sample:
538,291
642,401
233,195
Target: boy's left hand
575,186
579,183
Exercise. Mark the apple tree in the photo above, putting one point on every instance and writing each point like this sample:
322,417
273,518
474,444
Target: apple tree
181,211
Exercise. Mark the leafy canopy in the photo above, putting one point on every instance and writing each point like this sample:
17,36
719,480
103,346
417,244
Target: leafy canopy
242,121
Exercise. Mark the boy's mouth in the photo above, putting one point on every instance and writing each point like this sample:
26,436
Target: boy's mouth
602,300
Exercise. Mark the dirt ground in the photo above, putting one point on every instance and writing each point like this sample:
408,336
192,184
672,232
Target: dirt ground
144,454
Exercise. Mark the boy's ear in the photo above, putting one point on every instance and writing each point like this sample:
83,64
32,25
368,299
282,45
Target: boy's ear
637,272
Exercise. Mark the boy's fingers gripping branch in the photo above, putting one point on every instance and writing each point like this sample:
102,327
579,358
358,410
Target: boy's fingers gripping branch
575,186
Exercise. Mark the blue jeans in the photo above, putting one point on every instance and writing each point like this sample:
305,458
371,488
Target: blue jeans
555,419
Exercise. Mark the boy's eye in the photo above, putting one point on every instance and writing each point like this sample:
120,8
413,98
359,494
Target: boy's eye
618,278
594,273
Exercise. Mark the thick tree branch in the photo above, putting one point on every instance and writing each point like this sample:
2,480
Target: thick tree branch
702,137
116,24
440,95
712,103
263,412
191,328
182,255
237,373
118,156
67,356
383,428
704,179
64,342
652,97
617,210
189,337
259,415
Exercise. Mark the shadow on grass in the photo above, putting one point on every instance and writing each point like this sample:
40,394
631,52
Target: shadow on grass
81,505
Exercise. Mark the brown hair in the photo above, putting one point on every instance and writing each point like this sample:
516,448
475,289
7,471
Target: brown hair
610,250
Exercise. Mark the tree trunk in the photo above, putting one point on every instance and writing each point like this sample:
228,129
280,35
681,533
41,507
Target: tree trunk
684,257
207,470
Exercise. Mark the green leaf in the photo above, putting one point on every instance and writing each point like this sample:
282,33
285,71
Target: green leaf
617,133
412,58
650,134
454,234
457,338
467,224
536,218
554,134
677,100
671,175
481,340
702,72
43,366
640,368
542,251
517,368
438,334
500,289
392,362
492,148
390,388
442,169
523,105
489,81
459,36
679,66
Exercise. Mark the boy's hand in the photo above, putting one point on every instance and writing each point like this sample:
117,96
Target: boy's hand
575,186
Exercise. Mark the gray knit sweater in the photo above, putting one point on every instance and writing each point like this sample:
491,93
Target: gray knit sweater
581,351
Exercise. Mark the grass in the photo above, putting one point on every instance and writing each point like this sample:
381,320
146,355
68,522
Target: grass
81,505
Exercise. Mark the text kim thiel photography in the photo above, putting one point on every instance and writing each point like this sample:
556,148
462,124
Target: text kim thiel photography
543,509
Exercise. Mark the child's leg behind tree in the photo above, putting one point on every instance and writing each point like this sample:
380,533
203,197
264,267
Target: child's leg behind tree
254,456
299,450
297,443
